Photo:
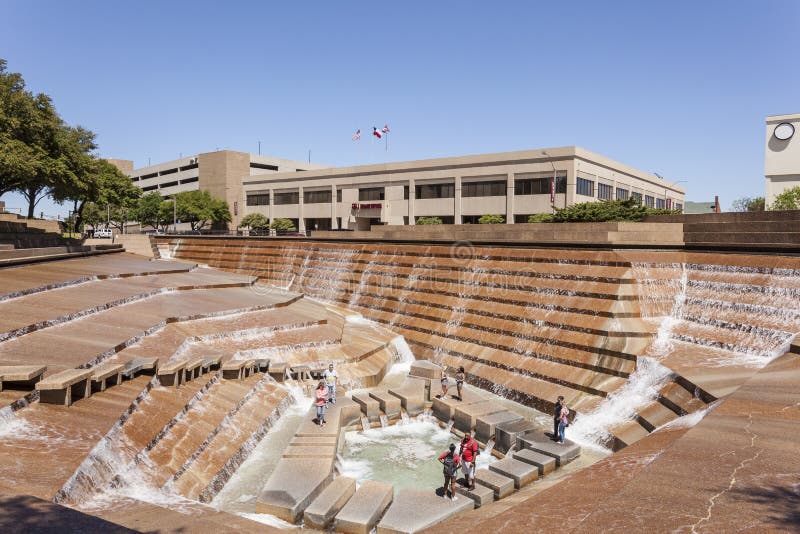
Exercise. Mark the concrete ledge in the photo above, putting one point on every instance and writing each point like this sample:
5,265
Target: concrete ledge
520,472
365,508
506,434
369,406
444,408
294,484
389,404
466,416
500,484
485,424
540,443
411,395
546,464
65,387
480,496
321,512
414,510
426,369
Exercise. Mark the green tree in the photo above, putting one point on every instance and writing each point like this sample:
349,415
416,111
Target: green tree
254,221
199,208
92,215
491,219
283,225
787,200
150,210
540,218
429,220
748,204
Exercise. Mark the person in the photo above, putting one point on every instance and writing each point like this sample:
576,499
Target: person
331,378
460,376
563,423
469,455
450,460
322,401
557,416
445,383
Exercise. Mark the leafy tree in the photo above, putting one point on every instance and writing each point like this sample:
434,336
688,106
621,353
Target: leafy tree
748,204
150,210
199,208
491,219
283,225
91,215
788,200
540,218
429,220
256,221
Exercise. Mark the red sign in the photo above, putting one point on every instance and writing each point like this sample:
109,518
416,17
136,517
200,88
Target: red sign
357,206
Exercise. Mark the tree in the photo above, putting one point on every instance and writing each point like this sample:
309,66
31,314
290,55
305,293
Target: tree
254,221
283,225
491,219
91,215
150,210
788,200
429,221
748,204
199,208
540,218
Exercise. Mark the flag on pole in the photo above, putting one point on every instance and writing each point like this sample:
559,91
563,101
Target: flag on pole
357,135
385,128
376,132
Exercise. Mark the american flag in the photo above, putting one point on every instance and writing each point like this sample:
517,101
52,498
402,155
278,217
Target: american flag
385,128
357,135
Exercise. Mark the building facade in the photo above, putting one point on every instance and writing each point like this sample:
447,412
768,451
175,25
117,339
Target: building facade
458,190
781,155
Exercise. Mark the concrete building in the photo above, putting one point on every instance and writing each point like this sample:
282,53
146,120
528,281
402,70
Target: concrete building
781,155
220,173
710,206
458,189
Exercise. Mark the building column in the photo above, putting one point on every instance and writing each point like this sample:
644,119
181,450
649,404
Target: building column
271,205
333,208
510,199
412,190
301,223
457,200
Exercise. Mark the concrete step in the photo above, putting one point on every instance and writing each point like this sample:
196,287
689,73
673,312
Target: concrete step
481,495
485,424
293,485
656,414
466,416
520,472
444,408
323,509
389,404
543,462
365,508
369,406
501,485
411,395
506,434
426,369
542,444
414,510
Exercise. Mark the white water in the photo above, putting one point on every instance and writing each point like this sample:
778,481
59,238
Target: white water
12,427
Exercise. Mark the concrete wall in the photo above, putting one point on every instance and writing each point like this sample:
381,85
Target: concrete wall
781,157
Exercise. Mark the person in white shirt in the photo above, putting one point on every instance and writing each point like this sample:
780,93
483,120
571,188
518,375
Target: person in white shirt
331,379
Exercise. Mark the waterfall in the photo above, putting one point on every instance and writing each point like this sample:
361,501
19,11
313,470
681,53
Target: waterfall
384,421
364,423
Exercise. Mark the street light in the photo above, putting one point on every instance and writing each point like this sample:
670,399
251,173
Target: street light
665,187
553,185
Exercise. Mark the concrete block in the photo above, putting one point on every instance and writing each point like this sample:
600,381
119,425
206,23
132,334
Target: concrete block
293,485
414,510
481,495
542,444
365,508
505,434
411,395
426,369
543,462
349,411
389,404
321,512
445,408
521,473
467,415
309,451
500,484
369,406
485,424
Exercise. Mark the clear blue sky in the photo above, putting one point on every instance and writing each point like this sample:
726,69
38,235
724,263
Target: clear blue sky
676,87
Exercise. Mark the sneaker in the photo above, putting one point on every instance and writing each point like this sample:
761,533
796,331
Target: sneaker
453,498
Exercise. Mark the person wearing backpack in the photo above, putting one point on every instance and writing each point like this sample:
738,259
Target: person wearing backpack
563,423
557,416
450,460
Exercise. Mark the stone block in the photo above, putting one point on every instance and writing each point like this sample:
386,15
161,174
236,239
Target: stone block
505,434
414,510
310,451
481,495
520,472
323,509
277,370
369,406
543,462
293,485
365,508
467,415
500,484
65,387
349,410
389,404
426,369
411,395
445,408
485,424
540,443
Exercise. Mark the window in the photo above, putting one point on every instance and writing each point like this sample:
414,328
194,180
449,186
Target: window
405,192
321,224
435,191
539,186
370,193
339,196
287,198
168,171
189,167
261,199
604,191
622,194
189,180
168,184
660,204
637,196
146,176
149,188
135,179
585,187
679,206
263,166
649,201
317,197
484,189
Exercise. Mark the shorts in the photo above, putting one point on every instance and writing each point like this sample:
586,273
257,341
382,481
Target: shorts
468,468
444,382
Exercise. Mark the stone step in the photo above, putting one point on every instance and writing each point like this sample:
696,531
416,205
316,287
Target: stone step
656,414
501,485
506,434
543,462
481,495
540,443
426,369
293,485
485,424
365,508
389,404
520,472
411,395
467,415
414,510
444,408
323,509
369,406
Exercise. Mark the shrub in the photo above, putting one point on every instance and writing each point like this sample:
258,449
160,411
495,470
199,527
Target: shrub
283,225
429,220
256,221
788,200
540,218
491,219
607,211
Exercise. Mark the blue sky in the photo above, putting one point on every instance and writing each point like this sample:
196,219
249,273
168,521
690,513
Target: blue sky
680,87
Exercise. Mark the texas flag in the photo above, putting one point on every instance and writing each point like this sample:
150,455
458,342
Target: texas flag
376,132
357,135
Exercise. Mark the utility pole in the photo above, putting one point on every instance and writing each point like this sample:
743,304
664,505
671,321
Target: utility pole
259,148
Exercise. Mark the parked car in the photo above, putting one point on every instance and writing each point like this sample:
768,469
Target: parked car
103,233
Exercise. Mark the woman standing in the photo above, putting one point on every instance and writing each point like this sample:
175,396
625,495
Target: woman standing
322,400
563,422
460,376
445,382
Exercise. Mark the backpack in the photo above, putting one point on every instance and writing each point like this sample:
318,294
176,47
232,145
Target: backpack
450,467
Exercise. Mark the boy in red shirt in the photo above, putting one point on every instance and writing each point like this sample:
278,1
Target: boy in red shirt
469,454
450,460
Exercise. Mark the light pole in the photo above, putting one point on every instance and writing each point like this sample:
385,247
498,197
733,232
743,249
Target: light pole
553,185
665,187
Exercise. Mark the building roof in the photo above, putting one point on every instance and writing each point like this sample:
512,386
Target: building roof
690,207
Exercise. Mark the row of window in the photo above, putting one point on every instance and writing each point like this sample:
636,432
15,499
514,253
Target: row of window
604,191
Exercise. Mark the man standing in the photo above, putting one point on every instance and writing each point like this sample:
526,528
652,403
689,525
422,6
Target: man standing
469,455
557,416
331,379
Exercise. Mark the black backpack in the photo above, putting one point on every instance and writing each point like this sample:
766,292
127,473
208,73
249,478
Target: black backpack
450,467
